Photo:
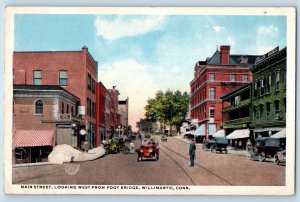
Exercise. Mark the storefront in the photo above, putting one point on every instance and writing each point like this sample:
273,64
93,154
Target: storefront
32,146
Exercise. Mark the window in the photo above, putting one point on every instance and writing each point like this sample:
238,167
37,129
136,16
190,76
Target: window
37,77
72,110
63,78
211,77
268,109
88,108
212,93
268,84
211,112
245,78
39,107
284,78
89,80
276,106
254,114
62,108
232,77
67,109
255,90
262,86
236,100
260,112
277,80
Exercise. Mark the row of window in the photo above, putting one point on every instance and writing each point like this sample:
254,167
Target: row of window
202,111
232,78
258,112
265,85
62,77
39,108
201,96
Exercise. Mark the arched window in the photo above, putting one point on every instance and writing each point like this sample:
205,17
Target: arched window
39,107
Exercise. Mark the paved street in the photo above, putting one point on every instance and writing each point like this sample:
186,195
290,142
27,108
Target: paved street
171,169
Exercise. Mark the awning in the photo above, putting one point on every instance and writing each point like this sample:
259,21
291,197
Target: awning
33,138
237,134
200,131
219,133
280,134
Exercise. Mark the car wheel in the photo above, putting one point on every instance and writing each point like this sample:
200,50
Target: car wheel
276,160
261,157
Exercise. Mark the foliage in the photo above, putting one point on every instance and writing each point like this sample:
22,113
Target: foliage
145,125
168,108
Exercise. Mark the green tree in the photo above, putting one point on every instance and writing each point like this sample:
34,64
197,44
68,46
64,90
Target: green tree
169,108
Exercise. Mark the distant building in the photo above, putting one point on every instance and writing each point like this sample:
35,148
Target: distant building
101,92
114,97
123,111
43,117
75,71
213,78
269,93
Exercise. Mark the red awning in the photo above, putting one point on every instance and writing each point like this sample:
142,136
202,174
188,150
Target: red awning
33,138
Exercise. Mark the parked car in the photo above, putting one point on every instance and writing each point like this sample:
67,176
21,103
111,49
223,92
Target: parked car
114,145
264,147
207,144
219,145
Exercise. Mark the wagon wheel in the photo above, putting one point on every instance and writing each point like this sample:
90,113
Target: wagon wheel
261,157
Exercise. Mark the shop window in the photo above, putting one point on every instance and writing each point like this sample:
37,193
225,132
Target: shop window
37,77
39,107
63,78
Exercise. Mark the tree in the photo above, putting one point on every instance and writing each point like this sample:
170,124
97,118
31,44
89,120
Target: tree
168,108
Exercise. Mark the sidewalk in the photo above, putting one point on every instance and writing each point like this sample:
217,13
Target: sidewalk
231,150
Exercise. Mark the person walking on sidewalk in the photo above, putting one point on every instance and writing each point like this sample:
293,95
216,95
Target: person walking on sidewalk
192,152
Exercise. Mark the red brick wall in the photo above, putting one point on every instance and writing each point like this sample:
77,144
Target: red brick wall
224,54
76,63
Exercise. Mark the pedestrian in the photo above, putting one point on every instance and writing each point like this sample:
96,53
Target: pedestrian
192,152
131,146
249,145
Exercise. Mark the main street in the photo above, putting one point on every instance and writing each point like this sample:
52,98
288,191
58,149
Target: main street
171,169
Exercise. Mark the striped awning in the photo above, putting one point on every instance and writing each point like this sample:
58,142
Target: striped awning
33,138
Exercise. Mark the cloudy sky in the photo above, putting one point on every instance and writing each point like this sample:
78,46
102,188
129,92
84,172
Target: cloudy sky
141,54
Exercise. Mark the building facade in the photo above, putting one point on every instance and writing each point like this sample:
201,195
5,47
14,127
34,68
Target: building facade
113,110
101,92
75,71
213,78
123,110
269,93
43,116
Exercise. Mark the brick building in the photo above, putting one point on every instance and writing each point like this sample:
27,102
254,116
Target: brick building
214,77
43,117
75,71
101,92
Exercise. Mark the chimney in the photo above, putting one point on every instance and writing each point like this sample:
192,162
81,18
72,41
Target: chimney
224,55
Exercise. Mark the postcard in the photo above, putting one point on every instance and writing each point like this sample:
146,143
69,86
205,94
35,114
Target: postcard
150,100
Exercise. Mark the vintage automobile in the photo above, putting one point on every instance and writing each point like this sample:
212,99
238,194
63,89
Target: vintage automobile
149,151
280,157
114,145
164,138
264,147
219,145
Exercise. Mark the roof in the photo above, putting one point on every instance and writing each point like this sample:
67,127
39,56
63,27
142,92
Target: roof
33,138
233,60
42,88
232,93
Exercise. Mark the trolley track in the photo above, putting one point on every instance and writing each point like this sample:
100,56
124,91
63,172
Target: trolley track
181,167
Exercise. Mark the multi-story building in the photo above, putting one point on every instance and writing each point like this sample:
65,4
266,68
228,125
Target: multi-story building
114,97
101,92
123,110
43,116
269,93
213,78
75,71
236,120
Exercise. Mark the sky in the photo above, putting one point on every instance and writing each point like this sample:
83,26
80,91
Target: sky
141,54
